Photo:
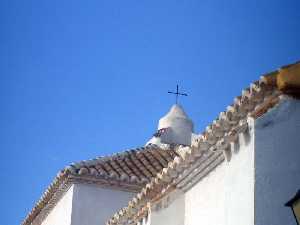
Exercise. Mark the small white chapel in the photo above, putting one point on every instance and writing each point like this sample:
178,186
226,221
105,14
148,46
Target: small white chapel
241,170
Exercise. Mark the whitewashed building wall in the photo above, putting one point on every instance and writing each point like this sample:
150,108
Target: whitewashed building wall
277,157
225,196
93,205
252,188
173,214
61,213
86,204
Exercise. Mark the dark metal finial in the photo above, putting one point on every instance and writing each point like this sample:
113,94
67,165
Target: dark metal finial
177,93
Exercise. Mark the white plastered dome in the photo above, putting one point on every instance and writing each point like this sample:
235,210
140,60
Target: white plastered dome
179,127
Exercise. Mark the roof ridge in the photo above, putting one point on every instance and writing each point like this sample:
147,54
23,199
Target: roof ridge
257,99
105,158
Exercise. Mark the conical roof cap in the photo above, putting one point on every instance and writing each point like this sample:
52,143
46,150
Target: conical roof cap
176,118
177,111
174,128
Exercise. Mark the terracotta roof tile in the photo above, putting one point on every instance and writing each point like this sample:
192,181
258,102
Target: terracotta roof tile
129,170
133,169
207,151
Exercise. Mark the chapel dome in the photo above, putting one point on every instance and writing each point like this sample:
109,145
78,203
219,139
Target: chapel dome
174,128
176,116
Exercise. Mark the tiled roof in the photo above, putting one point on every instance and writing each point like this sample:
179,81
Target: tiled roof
129,170
210,149
136,166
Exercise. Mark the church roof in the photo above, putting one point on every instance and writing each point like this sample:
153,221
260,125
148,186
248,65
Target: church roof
129,170
135,166
209,149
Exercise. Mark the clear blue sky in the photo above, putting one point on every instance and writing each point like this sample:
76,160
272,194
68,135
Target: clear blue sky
81,79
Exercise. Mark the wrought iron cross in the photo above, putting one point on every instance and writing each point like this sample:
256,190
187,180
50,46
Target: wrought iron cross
177,93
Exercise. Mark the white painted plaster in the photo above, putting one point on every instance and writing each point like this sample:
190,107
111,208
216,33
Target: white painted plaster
61,213
226,195
173,214
93,205
205,201
179,131
251,188
180,127
277,157
154,140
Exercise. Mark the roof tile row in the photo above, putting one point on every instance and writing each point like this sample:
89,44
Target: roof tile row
254,101
130,170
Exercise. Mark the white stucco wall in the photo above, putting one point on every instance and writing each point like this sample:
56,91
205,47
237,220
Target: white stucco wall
173,214
61,213
93,205
226,195
277,158
205,201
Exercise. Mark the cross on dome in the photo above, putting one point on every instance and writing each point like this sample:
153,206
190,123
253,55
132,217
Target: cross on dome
177,93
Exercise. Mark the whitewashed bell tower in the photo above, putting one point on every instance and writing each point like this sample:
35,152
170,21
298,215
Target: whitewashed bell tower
180,126
175,127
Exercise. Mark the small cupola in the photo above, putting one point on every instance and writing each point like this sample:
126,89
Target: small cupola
174,128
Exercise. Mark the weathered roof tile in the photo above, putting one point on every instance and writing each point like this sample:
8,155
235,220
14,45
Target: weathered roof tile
255,101
129,169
